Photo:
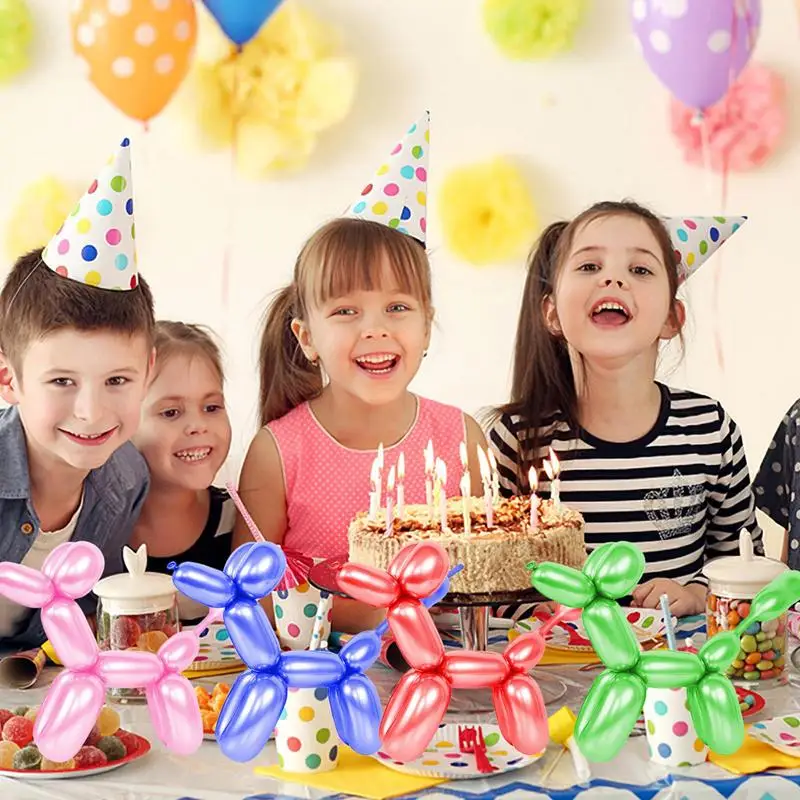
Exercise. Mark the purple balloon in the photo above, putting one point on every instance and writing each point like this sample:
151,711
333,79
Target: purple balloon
696,48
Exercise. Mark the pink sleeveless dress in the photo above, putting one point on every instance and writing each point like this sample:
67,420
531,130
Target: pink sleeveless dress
328,484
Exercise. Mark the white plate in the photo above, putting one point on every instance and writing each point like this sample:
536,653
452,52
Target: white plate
647,623
443,758
783,733
57,775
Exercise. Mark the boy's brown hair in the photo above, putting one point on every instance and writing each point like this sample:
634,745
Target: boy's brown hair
36,302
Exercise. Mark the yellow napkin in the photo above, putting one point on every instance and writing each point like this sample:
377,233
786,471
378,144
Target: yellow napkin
554,655
189,673
359,775
754,756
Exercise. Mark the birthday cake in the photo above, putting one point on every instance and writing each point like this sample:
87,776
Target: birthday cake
494,558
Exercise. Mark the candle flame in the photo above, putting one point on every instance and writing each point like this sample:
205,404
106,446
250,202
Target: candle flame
441,471
429,457
484,465
533,479
492,460
379,457
462,450
401,468
555,463
390,481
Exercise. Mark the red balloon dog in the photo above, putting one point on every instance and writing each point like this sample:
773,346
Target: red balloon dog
420,700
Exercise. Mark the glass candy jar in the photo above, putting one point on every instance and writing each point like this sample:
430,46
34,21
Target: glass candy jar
733,581
137,610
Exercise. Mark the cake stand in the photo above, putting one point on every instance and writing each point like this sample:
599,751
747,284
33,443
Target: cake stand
473,609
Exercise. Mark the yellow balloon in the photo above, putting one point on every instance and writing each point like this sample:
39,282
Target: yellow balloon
38,214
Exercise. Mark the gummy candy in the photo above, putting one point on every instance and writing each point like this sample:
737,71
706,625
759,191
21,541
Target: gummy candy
112,747
31,713
5,716
151,641
57,766
28,758
90,757
128,739
125,633
20,711
18,730
107,722
93,737
7,751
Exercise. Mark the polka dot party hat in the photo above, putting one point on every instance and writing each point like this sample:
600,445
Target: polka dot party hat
397,196
697,238
95,245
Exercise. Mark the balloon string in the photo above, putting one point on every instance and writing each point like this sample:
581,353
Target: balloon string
248,520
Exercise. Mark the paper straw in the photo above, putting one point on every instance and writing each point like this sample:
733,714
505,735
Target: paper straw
322,610
237,501
671,643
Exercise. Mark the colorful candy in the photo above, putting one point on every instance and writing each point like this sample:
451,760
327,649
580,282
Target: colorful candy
28,758
90,757
7,752
107,721
112,747
763,645
57,766
18,730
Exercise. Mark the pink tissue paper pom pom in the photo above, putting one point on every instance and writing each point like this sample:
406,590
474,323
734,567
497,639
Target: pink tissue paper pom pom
743,129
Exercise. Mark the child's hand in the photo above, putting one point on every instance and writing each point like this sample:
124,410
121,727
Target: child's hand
683,600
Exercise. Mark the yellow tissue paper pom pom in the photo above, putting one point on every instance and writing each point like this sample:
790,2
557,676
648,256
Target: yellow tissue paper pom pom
272,100
16,34
40,210
487,213
532,28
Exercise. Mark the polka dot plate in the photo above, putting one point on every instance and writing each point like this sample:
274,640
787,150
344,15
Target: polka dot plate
443,757
647,623
783,733
216,650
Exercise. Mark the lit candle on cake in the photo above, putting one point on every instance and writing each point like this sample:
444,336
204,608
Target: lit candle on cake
495,478
401,489
465,485
389,507
429,478
486,477
533,480
379,459
441,486
375,491
552,468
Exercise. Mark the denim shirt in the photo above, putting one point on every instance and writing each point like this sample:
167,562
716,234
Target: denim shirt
113,495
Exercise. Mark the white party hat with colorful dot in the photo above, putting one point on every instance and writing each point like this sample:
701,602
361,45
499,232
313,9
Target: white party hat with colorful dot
96,244
695,239
397,195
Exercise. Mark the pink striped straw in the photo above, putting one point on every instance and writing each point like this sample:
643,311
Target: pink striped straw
237,501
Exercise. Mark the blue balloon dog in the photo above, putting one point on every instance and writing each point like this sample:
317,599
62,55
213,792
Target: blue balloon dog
258,696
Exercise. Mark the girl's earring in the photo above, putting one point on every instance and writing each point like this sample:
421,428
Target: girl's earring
424,353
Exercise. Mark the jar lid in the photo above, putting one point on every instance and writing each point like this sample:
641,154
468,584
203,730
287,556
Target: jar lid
137,584
745,570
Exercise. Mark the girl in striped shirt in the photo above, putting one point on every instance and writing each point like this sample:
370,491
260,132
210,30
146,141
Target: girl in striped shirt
659,467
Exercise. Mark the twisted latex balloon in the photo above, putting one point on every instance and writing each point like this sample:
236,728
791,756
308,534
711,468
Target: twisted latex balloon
73,702
420,700
258,696
616,698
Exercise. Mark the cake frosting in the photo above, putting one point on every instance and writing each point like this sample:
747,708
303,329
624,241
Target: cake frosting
494,558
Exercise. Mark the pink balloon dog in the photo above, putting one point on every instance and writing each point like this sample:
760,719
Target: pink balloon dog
73,702
420,700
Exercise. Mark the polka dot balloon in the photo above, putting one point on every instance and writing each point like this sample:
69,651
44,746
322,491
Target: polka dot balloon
96,244
397,195
695,239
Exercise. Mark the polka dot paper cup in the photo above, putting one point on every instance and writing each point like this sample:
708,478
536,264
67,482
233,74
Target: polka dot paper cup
295,611
671,735
305,736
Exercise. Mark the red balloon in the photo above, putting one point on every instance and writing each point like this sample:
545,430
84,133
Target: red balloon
521,714
413,713
415,634
419,701
470,670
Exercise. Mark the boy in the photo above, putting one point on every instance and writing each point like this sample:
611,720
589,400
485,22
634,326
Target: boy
74,361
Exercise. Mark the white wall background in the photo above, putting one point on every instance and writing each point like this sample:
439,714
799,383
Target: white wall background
585,126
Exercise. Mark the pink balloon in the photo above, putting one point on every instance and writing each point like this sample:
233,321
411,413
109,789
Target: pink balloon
72,704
